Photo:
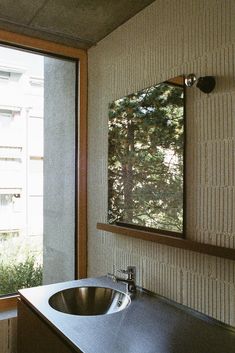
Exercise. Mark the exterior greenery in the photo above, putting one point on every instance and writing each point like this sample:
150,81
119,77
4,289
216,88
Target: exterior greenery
14,276
145,166
20,263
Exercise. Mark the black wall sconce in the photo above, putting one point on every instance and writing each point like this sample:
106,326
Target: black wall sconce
206,84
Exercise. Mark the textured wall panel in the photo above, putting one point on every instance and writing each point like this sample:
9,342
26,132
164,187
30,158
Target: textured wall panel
169,38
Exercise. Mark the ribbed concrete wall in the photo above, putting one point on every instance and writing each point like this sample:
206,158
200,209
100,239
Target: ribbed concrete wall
169,38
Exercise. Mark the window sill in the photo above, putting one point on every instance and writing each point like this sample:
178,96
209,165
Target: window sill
8,303
168,240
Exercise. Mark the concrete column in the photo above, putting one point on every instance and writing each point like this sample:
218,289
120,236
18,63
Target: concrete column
59,170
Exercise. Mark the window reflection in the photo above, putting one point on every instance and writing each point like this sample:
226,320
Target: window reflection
146,157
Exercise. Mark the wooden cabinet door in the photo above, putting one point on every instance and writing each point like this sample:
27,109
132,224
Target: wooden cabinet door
35,335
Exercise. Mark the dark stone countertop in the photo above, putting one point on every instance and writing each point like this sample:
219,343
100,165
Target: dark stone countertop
150,324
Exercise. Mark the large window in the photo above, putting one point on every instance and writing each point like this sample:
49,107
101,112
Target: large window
146,155
37,169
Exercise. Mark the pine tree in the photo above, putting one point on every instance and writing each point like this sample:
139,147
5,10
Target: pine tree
146,142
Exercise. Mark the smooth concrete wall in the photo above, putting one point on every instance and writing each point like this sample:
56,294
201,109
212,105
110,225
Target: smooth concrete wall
59,170
170,38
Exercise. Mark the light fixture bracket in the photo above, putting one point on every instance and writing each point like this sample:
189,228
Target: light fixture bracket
206,84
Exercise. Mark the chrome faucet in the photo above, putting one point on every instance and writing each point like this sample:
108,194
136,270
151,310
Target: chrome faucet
130,280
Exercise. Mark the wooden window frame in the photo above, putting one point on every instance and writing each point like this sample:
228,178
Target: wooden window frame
80,55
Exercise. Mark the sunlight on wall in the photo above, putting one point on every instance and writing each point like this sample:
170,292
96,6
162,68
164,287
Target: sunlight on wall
167,39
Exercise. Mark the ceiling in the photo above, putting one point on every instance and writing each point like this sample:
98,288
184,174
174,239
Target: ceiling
78,23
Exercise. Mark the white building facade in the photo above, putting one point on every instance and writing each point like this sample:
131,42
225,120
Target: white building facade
21,146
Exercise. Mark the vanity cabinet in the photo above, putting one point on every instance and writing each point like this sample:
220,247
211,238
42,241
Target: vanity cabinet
35,335
149,324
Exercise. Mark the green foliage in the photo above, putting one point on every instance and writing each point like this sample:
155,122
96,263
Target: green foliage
146,138
14,276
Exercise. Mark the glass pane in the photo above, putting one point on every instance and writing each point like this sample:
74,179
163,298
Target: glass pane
146,149
37,169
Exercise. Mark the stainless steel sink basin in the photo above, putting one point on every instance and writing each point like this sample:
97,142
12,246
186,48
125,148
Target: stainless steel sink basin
89,301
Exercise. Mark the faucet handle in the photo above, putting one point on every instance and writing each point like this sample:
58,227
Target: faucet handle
122,271
130,271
